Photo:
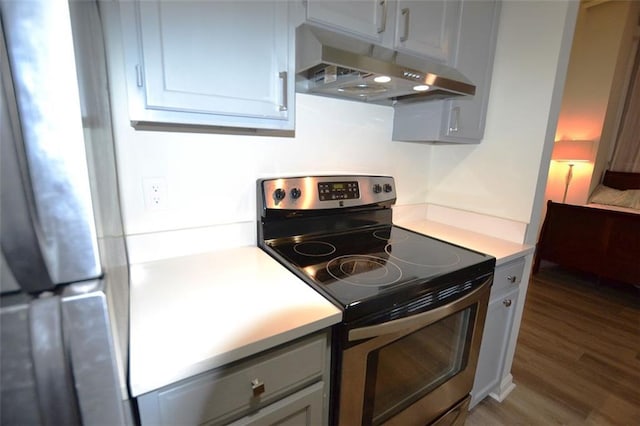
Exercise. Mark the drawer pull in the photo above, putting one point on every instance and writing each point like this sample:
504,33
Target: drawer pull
258,387
506,302
511,278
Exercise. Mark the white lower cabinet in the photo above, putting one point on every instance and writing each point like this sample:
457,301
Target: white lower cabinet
497,329
286,385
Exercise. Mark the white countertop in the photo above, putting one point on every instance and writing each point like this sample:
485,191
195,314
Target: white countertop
502,250
194,313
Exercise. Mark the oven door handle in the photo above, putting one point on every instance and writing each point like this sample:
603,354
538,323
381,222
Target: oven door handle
419,320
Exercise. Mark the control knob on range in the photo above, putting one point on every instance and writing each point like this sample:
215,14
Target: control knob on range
387,187
279,194
377,188
296,193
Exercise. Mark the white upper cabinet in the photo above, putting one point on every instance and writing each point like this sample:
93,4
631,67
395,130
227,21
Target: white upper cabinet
209,63
458,120
419,27
427,27
364,18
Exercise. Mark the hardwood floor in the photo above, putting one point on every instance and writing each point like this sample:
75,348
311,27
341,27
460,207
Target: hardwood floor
577,360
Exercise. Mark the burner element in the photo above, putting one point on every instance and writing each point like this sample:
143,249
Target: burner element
388,236
314,248
444,257
364,270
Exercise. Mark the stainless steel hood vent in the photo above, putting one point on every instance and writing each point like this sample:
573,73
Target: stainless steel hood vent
336,65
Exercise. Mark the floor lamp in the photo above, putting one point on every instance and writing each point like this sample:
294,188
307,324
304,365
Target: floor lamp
571,151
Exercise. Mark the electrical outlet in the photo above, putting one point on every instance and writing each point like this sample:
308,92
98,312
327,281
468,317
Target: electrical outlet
155,193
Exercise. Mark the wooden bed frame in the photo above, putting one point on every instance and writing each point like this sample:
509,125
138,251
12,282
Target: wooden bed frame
597,241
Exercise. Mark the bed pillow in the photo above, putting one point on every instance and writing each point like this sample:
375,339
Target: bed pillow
629,198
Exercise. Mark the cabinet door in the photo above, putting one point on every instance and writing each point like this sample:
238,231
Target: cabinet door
300,409
427,27
364,18
218,63
474,58
459,120
495,338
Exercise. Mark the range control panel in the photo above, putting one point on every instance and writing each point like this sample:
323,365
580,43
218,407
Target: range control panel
325,192
338,190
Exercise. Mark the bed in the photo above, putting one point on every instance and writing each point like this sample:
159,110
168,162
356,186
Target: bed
601,237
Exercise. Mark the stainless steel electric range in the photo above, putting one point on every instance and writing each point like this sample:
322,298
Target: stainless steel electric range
413,306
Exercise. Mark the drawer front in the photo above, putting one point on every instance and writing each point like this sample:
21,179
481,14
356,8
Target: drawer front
303,408
228,393
508,275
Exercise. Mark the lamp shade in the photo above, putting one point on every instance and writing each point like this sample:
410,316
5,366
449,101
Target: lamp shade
572,150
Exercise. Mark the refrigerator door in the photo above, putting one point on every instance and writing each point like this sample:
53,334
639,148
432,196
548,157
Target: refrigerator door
16,368
64,348
57,363
17,234
55,228
52,369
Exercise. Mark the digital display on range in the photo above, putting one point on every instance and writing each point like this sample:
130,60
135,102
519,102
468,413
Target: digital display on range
328,191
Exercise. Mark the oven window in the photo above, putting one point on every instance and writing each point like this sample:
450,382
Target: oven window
405,370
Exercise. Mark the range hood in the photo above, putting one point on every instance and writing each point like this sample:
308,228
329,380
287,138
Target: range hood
332,64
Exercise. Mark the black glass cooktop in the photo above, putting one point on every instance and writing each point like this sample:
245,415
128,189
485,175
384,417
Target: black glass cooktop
377,263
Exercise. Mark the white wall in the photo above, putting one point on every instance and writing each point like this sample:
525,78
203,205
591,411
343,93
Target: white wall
211,179
499,176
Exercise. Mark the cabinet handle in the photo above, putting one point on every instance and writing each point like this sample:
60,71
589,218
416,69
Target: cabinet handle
285,91
383,22
511,278
258,387
405,12
455,119
506,302
139,80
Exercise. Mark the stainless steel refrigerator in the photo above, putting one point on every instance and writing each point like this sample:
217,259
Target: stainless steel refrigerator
63,269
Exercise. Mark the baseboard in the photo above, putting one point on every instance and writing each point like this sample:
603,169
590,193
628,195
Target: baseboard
505,388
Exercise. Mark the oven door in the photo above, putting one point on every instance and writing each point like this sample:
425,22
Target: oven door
413,370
